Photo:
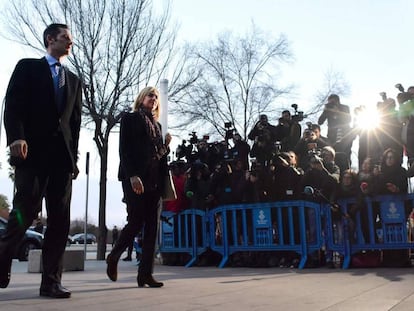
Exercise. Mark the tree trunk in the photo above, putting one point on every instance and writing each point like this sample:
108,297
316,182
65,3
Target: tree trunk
102,236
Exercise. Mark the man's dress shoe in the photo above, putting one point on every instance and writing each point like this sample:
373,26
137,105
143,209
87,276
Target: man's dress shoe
5,268
54,291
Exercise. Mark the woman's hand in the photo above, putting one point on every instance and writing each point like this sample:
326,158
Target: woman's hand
137,185
167,139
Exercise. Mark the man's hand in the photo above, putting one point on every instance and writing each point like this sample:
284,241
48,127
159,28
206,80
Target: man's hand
283,161
137,185
317,163
18,149
75,172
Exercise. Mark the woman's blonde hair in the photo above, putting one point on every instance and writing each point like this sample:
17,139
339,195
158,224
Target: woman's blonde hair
140,99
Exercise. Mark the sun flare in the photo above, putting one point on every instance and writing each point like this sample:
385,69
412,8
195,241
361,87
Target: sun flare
366,118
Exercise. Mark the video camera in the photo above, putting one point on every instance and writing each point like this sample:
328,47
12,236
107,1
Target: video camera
298,116
188,149
229,130
316,156
212,153
308,131
184,150
400,87
193,138
315,152
386,103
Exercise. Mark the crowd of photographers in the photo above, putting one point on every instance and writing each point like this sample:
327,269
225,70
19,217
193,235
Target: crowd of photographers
286,160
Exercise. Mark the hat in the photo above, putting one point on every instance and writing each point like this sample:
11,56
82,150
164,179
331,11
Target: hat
329,149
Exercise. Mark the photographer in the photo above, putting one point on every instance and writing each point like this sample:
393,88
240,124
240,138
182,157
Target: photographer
203,152
406,115
387,134
285,184
317,130
391,126
264,136
308,146
323,173
288,130
185,151
258,184
285,178
339,119
221,190
368,139
197,186
339,129
240,150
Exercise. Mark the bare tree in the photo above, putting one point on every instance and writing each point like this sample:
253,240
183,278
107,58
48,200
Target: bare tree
120,46
334,83
236,81
4,206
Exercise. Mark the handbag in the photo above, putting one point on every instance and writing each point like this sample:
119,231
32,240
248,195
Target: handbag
169,193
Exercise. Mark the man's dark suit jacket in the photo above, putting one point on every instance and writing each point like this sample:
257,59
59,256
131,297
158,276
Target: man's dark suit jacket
31,114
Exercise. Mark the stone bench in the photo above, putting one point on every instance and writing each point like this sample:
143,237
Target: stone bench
73,260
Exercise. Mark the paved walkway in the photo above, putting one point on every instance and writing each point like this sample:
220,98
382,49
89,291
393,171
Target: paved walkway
211,288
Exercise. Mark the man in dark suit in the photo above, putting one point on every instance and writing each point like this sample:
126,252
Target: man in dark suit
42,119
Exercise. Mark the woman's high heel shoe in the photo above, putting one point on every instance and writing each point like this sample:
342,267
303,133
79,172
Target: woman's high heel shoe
112,268
148,280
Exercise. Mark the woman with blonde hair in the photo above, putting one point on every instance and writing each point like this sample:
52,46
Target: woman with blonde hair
142,168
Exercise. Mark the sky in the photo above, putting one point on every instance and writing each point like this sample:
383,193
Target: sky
368,42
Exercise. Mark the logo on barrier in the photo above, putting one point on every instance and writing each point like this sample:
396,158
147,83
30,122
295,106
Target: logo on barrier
262,217
392,212
168,225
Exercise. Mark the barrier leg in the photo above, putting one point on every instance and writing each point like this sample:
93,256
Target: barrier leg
304,242
223,224
191,262
194,240
223,261
346,239
303,260
347,261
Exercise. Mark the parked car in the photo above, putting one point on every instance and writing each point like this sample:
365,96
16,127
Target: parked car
79,238
68,241
31,240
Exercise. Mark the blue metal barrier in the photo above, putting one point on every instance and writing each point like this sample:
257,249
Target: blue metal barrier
137,243
296,226
277,226
380,224
185,232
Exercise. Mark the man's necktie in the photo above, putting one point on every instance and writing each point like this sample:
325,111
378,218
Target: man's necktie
62,78
60,91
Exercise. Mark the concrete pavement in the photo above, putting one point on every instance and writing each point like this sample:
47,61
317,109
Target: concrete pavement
211,288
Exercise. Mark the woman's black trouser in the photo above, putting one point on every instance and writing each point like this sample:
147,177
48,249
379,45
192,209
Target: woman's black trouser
142,214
